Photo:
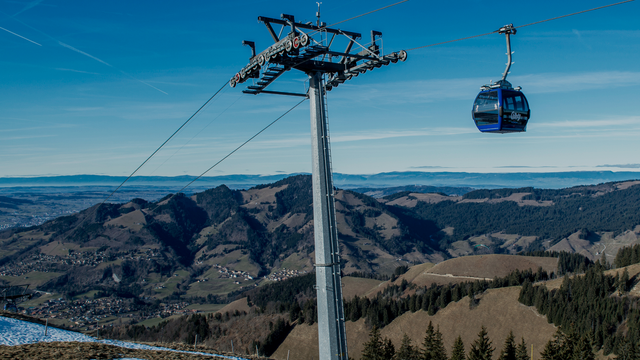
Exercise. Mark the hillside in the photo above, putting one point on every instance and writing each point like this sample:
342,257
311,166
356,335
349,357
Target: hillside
478,267
511,220
284,311
291,303
221,241
498,310
208,245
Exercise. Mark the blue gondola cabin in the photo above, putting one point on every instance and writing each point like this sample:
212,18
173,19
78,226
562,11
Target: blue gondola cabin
501,111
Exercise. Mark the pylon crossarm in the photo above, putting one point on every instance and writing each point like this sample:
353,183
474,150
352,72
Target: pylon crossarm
308,26
355,69
293,49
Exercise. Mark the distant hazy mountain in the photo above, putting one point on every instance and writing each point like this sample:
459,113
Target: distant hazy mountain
554,180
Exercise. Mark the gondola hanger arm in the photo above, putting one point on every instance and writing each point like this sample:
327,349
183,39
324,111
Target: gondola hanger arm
508,30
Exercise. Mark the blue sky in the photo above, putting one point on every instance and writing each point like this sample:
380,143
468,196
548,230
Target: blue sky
93,87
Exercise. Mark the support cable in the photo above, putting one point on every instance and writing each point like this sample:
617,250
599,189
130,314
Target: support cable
164,143
521,26
231,153
361,15
243,144
198,133
576,13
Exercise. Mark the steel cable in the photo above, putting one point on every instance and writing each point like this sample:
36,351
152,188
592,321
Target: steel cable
164,143
243,144
521,26
231,153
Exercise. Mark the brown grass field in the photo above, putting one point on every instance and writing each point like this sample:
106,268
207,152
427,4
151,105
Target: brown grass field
499,310
470,268
240,305
353,286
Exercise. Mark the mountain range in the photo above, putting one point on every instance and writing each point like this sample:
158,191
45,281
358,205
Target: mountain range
171,246
550,180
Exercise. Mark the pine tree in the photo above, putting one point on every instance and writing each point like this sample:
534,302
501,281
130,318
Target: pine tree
627,350
438,351
388,350
373,349
433,344
481,348
570,344
509,350
457,353
407,351
521,352
624,280
583,349
552,350
428,342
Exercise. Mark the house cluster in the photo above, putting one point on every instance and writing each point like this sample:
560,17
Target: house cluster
226,273
284,274
43,263
37,262
88,312
84,311
26,219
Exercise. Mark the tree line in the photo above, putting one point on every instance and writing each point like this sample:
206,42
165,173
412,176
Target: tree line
391,302
627,256
568,263
379,348
594,305
572,211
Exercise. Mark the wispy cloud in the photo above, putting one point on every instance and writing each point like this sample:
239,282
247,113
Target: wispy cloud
551,83
84,108
581,124
523,167
26,137
579,35
67,46
20,36
29,6
302,139
429,167
621,166
83,53
78,71
386,134
57,126
428,91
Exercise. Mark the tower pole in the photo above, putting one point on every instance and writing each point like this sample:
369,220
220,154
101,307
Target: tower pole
298,50
332,338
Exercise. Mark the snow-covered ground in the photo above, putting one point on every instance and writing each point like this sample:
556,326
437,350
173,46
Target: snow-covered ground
17,332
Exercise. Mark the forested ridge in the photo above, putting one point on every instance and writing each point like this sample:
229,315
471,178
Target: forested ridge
574,209
595,305
627,256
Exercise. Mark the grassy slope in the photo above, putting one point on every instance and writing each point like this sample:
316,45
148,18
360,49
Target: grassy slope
499,310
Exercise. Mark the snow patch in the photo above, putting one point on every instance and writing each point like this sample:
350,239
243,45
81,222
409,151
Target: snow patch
17,332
